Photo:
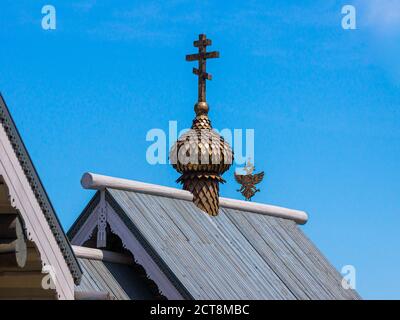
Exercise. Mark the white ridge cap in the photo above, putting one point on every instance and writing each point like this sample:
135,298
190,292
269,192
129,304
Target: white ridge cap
102,255
99,182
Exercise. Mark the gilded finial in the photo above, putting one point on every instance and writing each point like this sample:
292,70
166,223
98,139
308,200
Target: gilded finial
201,106
201,155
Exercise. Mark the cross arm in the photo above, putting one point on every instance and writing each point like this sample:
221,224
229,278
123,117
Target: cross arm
202,43
198,56
205,75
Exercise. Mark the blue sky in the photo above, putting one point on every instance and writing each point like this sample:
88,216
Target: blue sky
324,103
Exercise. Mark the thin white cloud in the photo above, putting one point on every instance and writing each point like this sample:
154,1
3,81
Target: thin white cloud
84,5
150,22
381,16
380,20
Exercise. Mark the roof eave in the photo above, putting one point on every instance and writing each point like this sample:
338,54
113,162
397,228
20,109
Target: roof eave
38,189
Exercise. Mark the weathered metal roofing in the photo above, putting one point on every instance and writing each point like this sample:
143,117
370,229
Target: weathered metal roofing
121,281
101,182
236,255
38,189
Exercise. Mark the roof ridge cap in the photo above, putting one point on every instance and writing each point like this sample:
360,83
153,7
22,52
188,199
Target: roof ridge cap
100,182
102,255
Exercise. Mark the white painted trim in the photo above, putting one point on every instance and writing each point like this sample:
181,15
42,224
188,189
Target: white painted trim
102,255
102,221
142,257
100,182
129,242
23,199
85,232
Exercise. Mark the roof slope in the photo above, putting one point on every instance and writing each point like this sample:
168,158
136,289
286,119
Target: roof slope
236,255
38,189
120,281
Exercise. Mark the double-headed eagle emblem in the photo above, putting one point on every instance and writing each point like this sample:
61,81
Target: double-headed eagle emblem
249,181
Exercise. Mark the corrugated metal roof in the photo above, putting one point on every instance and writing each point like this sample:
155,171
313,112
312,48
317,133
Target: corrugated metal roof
119,280
236,255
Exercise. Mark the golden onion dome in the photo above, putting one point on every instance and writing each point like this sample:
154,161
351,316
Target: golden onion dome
201,149
201,155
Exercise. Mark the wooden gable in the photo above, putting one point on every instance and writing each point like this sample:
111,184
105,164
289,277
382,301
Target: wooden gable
36,259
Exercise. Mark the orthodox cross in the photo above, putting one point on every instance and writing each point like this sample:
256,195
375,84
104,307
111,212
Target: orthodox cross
202,56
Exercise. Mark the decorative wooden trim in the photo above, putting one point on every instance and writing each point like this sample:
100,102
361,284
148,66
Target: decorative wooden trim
85,230
38,230
129,242
32,177
102,255
86,213
102,221
100,182
142,257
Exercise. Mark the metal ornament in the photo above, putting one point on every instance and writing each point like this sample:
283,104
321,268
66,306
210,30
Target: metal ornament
201,155
249,181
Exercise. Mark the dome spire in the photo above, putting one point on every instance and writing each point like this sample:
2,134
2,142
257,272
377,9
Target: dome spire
202,56
201,106
201,155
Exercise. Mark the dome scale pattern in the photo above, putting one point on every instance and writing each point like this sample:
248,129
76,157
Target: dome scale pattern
201,155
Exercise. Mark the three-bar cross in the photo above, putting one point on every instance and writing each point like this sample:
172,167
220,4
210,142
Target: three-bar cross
202,56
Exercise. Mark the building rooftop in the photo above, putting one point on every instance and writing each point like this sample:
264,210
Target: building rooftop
248,251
